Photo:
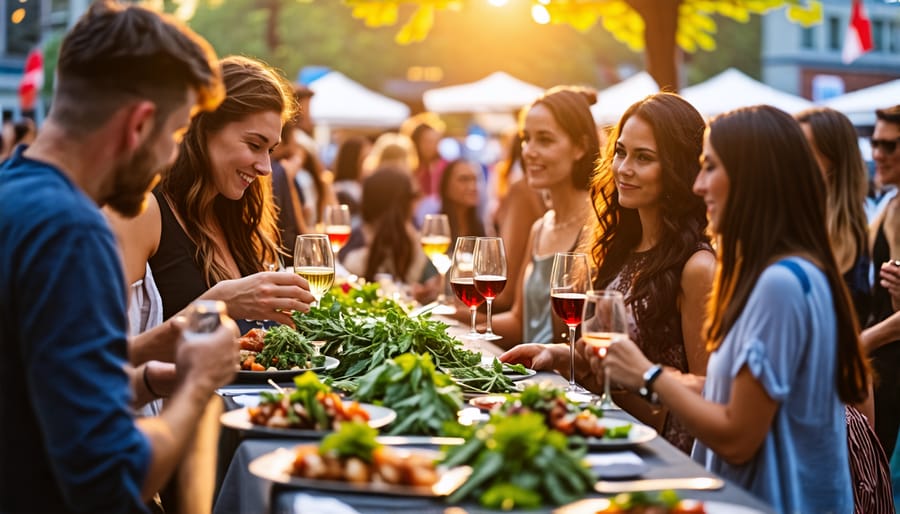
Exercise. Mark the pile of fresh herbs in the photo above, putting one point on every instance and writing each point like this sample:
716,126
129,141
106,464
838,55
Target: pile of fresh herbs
425,399
364,334
285,348
519,463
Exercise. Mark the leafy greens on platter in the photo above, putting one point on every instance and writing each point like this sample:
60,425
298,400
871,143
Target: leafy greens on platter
425,399
365,334
518,462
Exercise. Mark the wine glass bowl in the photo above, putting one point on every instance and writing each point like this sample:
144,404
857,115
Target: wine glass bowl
336,220
604,320
462,280
489,268
314,261
570,279
435,241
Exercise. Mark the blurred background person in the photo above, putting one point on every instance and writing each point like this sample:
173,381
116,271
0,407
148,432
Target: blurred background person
386,241
314,180
394,150
426,130
287,160
459,199
348,166
519,206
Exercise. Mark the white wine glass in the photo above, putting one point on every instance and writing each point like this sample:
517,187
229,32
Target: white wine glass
435,243
336,220
604,321
314,261
489,266
462,279
569,282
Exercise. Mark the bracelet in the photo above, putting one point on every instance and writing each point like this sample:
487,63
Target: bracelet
147,383
646,391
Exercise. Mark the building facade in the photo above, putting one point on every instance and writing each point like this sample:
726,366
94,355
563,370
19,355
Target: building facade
807,61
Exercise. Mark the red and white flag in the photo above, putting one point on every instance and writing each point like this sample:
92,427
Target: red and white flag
859,34
32,80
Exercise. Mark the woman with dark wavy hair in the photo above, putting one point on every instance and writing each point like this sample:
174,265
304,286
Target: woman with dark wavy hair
780,325
649,243
210,228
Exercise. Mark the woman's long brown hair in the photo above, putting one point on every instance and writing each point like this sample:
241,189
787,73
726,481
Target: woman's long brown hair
776,206
249,224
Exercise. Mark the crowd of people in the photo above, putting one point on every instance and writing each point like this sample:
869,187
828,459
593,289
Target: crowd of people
758,340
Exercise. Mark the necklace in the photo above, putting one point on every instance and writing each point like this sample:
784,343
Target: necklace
565,224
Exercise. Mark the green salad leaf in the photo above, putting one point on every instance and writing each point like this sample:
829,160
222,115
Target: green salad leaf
425,399
517,462
356,439
285,348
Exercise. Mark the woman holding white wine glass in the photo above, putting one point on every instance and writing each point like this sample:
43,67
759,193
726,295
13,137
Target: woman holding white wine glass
604,321
570,279
314,261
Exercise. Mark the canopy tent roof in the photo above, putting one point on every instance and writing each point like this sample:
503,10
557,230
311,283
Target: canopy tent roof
860,105
614,100
341,102
732,89
498,92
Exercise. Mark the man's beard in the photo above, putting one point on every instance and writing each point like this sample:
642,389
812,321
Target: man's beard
132,181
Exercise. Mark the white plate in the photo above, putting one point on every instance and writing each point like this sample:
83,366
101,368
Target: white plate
592,506
255,377
239,419
638,434
274,466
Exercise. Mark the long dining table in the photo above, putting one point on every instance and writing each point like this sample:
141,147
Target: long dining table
241,492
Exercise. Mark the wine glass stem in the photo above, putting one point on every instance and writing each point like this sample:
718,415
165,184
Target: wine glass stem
572,355
606,400
489,329
474,312
442,298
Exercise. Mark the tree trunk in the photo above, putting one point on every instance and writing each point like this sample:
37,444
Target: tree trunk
660,26
273,38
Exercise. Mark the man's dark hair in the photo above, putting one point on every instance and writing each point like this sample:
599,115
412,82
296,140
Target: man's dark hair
890,115
115,54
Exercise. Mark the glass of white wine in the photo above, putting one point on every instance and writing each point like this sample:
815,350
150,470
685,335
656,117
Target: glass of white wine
314,261
604,320
435,243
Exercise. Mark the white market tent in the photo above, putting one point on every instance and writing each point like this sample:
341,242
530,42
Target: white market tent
860,105
732,89
340,102
614,100
498,92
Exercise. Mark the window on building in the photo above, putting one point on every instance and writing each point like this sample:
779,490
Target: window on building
807,38
835,36
894,37
878,35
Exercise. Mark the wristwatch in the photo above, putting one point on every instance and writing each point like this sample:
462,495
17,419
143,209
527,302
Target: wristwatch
650,376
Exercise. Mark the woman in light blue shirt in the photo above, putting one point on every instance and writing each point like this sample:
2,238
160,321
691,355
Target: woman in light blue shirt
781,329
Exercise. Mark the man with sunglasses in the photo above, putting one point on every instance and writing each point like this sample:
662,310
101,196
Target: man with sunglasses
886,289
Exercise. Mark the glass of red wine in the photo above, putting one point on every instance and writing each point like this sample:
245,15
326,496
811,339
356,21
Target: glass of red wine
489,266
462,279
604,320
570,279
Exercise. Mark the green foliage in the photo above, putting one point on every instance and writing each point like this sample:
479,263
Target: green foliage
517,462
356,439
425,399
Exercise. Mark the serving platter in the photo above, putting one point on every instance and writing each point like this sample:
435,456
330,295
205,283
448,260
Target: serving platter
638,434
239,419
594,506
257,377
274,466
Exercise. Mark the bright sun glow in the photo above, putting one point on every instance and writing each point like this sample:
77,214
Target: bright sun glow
540,15
498,3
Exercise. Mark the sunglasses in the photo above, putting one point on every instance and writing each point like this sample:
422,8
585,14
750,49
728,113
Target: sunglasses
886,145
